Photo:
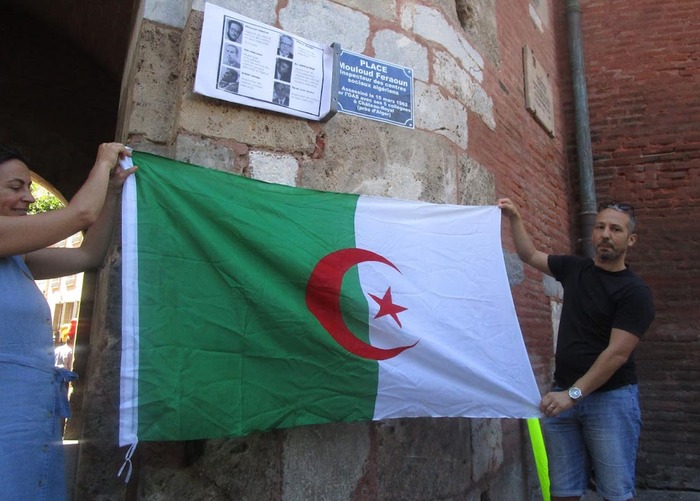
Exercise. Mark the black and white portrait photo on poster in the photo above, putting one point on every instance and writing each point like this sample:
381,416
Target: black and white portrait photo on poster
241,60
283,70
229,80
286,47
232,55
234,30
281,94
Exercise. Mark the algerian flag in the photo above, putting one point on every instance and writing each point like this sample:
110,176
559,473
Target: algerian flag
252,306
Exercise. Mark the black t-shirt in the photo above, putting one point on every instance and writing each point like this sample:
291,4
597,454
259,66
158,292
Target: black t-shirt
595,302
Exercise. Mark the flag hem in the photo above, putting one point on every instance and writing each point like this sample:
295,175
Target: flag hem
128,407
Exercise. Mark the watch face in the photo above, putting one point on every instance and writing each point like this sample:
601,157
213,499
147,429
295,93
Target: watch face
574,393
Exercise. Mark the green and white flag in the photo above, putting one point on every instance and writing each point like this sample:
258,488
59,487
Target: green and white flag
251,306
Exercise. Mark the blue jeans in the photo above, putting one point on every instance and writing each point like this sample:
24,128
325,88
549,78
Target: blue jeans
601,433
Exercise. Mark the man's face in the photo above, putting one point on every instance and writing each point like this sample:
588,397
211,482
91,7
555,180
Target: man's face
231,51
611,235
15,195
281,90
234,30
285,45
284,66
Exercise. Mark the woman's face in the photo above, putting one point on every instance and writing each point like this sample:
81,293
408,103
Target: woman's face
15,195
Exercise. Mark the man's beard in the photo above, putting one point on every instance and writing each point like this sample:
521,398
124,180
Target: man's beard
607,252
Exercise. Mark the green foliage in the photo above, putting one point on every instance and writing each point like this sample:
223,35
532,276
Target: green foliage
45,201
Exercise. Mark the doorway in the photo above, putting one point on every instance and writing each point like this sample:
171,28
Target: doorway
60,79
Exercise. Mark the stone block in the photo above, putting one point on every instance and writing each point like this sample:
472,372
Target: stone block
371,158
514,268
173,14
235,468
430,24
156,72
448,74
398,49
487,447
512,482
323,21
439,114
552,288
257,129
324,462
476,183
204,152
273,168
423,458
139,144
385,9
263,11
478,19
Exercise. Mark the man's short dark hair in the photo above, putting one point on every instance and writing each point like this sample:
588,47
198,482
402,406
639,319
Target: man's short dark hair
624,208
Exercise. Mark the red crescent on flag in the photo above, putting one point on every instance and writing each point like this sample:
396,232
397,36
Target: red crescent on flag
323,300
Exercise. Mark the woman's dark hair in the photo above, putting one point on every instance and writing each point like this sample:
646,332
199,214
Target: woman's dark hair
8,153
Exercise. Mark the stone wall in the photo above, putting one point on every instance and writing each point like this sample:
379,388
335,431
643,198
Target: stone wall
474,140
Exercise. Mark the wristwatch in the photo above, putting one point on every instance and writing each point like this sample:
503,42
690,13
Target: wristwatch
574,393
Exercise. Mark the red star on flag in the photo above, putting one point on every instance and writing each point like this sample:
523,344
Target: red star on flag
387,306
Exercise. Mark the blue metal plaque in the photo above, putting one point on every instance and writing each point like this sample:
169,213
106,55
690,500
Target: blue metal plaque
375,89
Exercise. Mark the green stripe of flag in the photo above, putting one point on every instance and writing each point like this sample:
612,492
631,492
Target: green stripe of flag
226,343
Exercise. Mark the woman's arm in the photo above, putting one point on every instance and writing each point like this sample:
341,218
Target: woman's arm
55,262
25,234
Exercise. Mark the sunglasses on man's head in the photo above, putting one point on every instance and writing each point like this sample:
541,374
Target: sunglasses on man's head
621,207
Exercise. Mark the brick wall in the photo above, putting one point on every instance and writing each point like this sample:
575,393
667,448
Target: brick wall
528,164
643,79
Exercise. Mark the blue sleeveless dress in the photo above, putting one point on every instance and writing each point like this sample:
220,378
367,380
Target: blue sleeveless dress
32,390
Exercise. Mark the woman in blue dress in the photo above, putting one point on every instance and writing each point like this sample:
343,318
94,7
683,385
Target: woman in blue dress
33,391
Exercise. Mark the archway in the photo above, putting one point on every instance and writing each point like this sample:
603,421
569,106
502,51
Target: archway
60,79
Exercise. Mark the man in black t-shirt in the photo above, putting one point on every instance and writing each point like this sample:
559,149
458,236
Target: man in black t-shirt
592,413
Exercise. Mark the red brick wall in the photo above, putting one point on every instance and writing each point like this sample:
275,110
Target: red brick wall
643,79
528,164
